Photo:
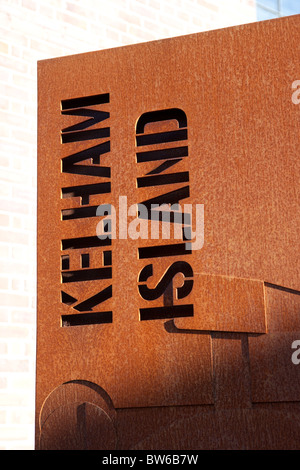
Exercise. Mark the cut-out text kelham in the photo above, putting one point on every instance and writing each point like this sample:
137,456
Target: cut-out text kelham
87,162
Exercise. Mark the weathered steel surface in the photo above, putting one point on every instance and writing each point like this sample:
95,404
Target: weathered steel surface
227,304
143,343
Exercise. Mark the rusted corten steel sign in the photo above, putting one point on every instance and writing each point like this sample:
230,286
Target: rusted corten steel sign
168,244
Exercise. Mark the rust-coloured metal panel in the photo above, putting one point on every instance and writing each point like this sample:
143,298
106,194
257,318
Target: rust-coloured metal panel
227,304
170,327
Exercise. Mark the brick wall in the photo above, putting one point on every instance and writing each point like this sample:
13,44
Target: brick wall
38,29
